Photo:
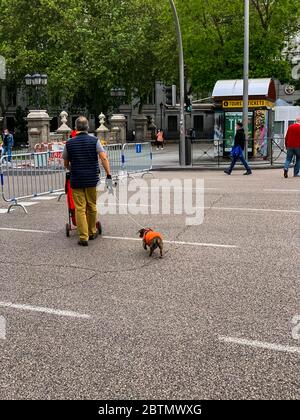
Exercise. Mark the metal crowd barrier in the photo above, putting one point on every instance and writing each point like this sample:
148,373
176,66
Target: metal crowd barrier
114,154
277,151
137,158
130,159
31,175
212,152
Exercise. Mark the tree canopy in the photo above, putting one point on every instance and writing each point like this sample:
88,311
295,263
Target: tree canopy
214,41
86,48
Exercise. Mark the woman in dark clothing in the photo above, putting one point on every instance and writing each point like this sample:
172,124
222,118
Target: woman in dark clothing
238,149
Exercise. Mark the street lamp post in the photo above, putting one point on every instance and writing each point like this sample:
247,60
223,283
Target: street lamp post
161,114
36,80
246,74
182,150
2,79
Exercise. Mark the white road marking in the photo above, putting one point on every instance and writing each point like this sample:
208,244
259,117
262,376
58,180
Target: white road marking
2,328
260,344
254,210
279,191
44,198
121,238
25,230
50,311
176,189
105,205
3,211
27,203
200,244
236,177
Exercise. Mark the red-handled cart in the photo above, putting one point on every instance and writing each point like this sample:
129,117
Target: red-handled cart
71,225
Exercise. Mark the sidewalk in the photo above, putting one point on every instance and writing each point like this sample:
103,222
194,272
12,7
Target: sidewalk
168,159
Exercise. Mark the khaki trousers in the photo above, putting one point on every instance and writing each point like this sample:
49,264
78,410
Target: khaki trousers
85,200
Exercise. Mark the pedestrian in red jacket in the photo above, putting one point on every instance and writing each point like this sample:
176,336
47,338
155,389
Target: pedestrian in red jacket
292,144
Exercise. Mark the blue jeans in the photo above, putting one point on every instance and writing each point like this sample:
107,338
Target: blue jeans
291,152
243,160
6,151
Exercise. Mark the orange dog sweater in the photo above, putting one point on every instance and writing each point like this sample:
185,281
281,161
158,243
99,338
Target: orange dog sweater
149,235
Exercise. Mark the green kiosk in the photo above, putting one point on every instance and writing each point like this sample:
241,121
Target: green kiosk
228,100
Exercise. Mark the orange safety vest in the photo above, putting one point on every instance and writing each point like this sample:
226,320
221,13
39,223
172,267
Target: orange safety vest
150,235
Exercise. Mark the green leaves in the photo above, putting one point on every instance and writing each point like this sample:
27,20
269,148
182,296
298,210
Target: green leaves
213,36
86,48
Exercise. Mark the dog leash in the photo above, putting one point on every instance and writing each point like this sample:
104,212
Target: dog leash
128,214
133,220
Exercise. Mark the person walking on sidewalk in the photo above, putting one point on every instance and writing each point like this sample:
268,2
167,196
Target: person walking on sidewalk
1,145
160,140
292,144
237,151
8,143
81,156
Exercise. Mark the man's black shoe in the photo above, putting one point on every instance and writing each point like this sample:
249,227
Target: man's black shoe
227,172
83,243
248,173
285,173
92,237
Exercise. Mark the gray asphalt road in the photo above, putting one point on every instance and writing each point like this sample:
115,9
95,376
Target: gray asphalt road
205,322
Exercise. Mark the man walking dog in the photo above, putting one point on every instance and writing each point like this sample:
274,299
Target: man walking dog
81,155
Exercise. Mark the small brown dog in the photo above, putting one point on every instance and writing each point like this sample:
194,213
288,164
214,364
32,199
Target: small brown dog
152,239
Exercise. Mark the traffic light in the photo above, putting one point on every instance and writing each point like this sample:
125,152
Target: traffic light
171,95
188,105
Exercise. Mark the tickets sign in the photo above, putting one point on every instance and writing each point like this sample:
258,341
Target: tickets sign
252,103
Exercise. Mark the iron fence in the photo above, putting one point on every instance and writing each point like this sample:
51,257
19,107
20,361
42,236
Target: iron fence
213,153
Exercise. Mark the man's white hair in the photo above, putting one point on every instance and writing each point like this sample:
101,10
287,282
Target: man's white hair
82,124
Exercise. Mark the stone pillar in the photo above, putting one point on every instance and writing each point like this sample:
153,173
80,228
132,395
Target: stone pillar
38,122
140,128
119,121
102,132
115,135
64,129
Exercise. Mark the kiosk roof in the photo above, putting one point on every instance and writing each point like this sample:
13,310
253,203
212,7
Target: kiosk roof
234,88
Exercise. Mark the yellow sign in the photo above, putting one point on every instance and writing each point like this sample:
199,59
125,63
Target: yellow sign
253,103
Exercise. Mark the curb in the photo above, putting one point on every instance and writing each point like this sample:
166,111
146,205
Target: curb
210,168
